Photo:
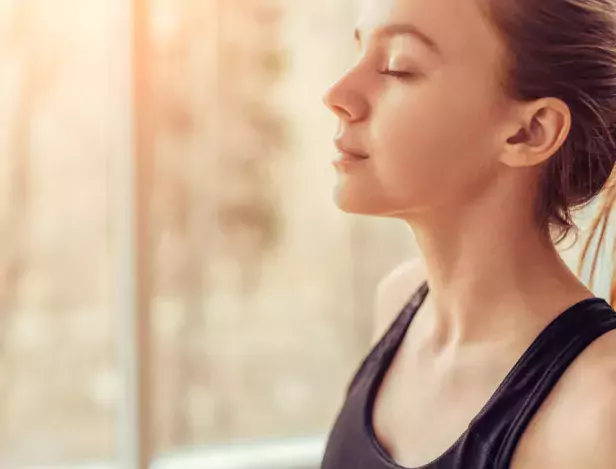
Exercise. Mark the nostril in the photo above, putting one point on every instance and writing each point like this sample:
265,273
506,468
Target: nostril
342,113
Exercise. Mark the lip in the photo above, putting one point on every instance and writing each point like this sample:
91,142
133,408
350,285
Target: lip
347,155
344,158
348,152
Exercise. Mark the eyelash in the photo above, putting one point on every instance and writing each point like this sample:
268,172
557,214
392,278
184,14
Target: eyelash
396,74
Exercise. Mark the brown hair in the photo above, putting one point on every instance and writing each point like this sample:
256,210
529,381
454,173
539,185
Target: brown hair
567,49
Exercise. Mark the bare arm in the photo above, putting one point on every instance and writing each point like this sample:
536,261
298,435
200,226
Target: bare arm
596,446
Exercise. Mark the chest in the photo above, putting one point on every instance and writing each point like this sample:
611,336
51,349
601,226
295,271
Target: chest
420,412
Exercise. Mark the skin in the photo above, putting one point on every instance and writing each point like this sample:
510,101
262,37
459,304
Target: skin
453,156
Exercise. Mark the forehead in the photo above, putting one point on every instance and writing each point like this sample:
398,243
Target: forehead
459,28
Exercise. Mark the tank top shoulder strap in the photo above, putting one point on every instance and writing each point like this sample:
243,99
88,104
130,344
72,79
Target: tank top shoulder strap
535,375
394,335
391,340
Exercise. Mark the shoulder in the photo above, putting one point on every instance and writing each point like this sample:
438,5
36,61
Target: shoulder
393,292
595,446
579,421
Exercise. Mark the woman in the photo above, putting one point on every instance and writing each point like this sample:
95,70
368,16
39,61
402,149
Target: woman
482,124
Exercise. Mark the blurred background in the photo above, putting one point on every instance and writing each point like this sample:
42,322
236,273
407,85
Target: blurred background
177,287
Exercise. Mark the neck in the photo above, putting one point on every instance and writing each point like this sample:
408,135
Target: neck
489,274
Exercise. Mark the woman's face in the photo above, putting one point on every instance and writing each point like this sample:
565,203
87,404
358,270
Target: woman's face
424,103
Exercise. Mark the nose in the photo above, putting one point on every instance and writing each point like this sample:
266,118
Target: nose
344,98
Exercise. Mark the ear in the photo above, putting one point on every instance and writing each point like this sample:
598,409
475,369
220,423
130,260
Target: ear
539,130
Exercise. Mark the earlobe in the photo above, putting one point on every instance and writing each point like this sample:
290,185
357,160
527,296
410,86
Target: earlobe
539,134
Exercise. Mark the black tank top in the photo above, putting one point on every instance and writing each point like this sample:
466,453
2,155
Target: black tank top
492,436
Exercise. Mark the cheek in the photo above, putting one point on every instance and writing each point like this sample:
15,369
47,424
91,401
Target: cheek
429,141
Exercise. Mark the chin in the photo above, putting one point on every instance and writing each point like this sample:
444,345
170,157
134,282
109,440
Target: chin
370,204
357,204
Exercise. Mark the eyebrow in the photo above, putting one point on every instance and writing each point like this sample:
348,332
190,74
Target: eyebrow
391,30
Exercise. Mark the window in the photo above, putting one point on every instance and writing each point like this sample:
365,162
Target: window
257,318
58,372
244,328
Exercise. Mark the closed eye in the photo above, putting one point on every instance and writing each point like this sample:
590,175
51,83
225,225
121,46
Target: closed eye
397,73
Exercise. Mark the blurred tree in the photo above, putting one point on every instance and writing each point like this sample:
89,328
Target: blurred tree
252,64
179,207
210,67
